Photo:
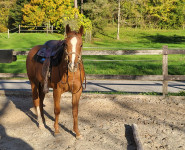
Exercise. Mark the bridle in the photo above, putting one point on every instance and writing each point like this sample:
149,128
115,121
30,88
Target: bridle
69,63
77,66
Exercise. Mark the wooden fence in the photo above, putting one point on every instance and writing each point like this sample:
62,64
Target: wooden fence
164,77
43,29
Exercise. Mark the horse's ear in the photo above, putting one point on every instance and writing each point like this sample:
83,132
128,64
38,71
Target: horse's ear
81,30
68,29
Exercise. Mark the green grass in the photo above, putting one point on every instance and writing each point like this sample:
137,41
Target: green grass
129,39
140,39
134,65
181,93
128,65
25,41
18,66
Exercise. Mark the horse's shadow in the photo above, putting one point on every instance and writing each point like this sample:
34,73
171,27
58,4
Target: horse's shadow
61,125
26,106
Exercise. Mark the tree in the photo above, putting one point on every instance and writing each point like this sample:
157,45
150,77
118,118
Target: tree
100,13
57,12
153,13
75,4
5,6
82,1
16,14
166,14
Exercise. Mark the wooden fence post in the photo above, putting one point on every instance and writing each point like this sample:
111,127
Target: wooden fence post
47,28
8,33
90,35
165,70
52,29
136,137
19,28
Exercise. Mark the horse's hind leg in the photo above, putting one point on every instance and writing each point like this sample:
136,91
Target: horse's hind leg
41,96
37,104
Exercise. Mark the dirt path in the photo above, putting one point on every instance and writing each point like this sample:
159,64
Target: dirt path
104,121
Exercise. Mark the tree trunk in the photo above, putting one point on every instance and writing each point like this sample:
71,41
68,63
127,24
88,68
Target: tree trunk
75,4
82,7
118,19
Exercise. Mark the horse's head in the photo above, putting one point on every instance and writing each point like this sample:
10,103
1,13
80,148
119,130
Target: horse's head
73,48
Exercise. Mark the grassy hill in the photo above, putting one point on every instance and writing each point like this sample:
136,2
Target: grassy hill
129,39
25,41
140,39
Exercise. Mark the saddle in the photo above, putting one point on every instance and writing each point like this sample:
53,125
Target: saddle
49,55
52,49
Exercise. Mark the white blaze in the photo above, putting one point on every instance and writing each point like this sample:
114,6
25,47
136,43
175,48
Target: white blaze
73,42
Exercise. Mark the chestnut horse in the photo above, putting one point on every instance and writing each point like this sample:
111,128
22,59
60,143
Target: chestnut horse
67,76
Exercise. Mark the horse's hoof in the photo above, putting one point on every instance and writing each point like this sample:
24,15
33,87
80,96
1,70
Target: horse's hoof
57,134
41,126
79,137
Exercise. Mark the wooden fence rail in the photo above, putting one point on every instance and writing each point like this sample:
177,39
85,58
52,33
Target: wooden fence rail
109,52
164,77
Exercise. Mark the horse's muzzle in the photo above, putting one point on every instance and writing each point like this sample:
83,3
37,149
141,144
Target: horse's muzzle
72,68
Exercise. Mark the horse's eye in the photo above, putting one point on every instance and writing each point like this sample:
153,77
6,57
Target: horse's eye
81,45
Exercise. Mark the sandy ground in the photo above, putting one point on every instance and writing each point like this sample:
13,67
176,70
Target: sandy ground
104,121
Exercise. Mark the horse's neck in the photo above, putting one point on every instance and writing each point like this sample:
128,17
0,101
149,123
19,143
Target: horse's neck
63,63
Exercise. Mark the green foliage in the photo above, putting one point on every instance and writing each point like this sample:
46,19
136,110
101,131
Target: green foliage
5,6
168,14
57,12
153,13
16,14
100,12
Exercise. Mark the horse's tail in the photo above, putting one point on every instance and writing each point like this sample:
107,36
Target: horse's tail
45,73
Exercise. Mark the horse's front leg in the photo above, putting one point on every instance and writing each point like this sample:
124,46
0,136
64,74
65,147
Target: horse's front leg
75,103
56,96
